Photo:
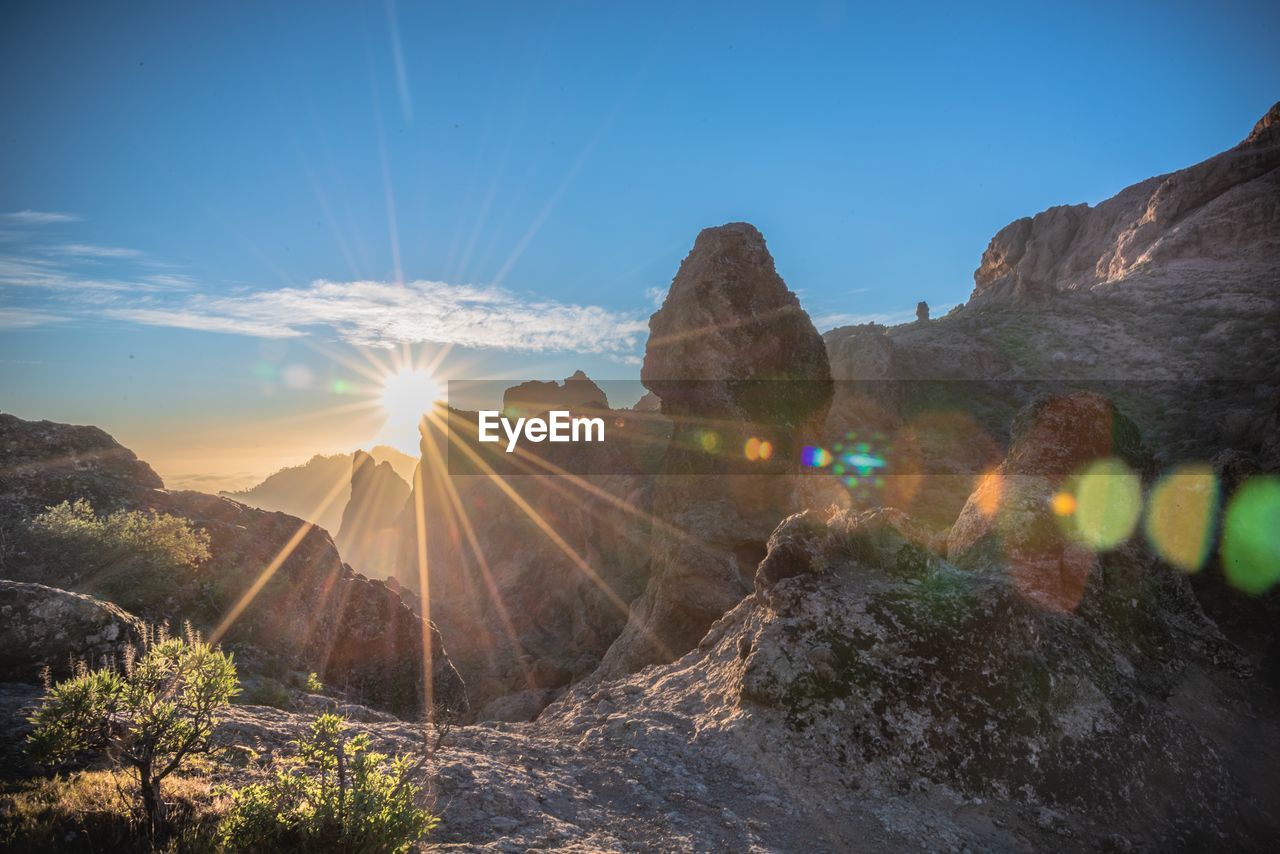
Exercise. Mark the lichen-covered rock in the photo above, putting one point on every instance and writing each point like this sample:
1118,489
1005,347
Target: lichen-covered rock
46,627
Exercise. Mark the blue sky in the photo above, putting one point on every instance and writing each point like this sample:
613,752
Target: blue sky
207,211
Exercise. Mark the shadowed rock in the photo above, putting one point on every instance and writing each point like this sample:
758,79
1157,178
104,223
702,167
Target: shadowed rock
368,537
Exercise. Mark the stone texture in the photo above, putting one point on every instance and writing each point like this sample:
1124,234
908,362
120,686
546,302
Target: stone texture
46,627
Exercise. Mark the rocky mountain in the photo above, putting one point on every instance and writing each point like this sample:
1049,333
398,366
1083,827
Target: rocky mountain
277,583
1220,217
298,490
367,536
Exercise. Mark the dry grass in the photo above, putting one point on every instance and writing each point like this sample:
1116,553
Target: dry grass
95,811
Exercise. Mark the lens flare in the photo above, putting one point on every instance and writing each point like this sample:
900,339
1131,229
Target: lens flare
710,441
1063,504
1108,502
815,457
1181,514
1250,545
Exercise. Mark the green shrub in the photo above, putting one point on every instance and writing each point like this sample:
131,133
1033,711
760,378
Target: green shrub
126,555
151,718
335,795
314,685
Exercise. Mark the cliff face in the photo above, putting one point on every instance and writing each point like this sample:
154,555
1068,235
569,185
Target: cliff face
299,607
1221,216
367,537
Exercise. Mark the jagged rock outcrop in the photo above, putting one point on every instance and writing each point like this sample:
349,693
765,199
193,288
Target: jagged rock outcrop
1223,210
300,490
368,538
46,627
648,402
274,583
732,356
576,394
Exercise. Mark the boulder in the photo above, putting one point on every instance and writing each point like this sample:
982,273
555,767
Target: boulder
44,627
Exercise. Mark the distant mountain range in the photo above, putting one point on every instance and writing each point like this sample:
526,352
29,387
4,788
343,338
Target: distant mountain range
297,490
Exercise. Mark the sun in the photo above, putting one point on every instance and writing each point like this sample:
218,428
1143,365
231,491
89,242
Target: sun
406,394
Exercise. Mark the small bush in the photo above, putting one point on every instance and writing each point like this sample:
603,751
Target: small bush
314,685
123,555
335,795
151,718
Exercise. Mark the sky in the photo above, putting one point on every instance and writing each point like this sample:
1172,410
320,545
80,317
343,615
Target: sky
222,223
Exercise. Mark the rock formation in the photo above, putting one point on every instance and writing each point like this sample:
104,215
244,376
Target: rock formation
368,538
46,627
576,394
1225,210
732,356
300,490
296,606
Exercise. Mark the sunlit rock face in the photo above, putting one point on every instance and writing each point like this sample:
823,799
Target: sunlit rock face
46,627
732,357
1226,208
310,613
368,536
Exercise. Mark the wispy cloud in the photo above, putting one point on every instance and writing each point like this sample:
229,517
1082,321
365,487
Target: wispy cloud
656,295
384,314
83,250
30,217
21,318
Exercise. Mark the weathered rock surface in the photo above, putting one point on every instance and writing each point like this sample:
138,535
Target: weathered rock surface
46,627
732,356
274,583
368,538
